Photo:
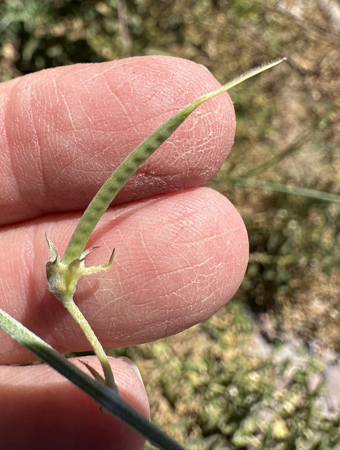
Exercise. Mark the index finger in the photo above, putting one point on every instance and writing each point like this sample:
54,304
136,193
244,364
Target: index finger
65,130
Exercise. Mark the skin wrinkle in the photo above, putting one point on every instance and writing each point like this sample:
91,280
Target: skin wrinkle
178,292
88,117
60,173
100,105
150,117
189,264
60,93
7,177
156,98
130,119
42,185
78,69
14,166
44,177
182,159
25,257
73,163
37,146
193,281
181,269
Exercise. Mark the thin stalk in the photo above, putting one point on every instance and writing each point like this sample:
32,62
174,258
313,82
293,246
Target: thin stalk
73,309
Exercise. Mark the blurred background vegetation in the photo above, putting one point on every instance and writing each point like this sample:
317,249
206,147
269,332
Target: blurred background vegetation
286,157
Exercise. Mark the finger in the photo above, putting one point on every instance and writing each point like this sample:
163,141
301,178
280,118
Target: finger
41,409
179,258
64,130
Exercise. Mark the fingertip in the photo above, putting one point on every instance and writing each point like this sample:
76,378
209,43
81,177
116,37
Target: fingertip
180,258
66,129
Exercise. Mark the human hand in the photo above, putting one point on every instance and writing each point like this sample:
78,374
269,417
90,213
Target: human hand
179,255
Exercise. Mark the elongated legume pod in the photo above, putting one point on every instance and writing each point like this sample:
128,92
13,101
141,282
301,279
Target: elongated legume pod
132,162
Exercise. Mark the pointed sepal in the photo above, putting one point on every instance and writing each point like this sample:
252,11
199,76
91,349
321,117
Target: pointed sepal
62,278
93,372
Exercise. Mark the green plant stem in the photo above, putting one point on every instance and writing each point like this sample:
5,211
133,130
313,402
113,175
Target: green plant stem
291,149
73,309
132,162
106,397
286,189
